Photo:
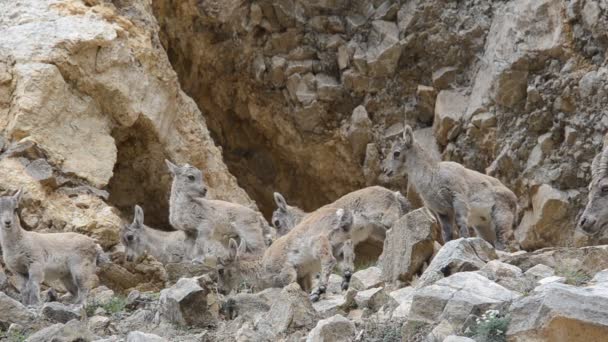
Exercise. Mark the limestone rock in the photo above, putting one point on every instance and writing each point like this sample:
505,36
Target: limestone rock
71,331
459,255
11,311
366,279
407,246
506,275
403,301
290,311
185,303
589,260
98,324
560,313
373,298
539,271
383,56
359,132
57,312
138,336
331,305
456,297
334,329
450,107
547,223
250,306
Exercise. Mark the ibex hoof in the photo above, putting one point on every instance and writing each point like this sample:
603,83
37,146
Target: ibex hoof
322,289
345,285
314,297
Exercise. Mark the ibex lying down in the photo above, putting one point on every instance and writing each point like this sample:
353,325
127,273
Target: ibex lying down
35,257
298,256
595,216
213,222
453,192
164,246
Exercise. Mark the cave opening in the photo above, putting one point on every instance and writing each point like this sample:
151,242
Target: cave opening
140,175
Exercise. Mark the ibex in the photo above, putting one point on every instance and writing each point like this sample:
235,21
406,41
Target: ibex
35,257
213,222
375,202
164,246
595,215
455,193
306,250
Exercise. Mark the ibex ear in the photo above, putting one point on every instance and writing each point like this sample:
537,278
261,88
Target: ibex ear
345,219
172,167
408,136
233,249
138,218
280,201
17,196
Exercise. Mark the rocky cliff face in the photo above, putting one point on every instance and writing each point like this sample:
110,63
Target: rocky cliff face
90,86
304,95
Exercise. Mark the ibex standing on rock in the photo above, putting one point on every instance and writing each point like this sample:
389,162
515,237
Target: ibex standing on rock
306,250
211,222
138,239
455,193
35,257
595,216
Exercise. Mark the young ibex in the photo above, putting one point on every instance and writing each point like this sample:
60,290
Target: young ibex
213,222
453,192
375,203
595,215
308,249
34,257
138,239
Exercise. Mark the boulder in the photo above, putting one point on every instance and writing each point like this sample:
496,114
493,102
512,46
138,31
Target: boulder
459,255
138,336
185,303
98,324
549,222
373,298
11,311
334,329
366,279
456,297
407,246
450,107
57,312
290,311
331,305
402,301
509,276
359,132
249,306
538,272
560,312
71,331
588,260
382,57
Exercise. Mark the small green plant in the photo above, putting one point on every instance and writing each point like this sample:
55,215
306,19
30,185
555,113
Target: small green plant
573,277
115,305
15,336
490,327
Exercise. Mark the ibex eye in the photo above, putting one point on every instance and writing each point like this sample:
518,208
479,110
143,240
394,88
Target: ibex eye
605,189
396,154
191,178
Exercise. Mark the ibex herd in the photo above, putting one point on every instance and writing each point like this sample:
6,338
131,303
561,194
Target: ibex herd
301,245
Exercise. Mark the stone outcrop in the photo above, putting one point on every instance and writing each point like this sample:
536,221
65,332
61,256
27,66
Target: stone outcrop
408,245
